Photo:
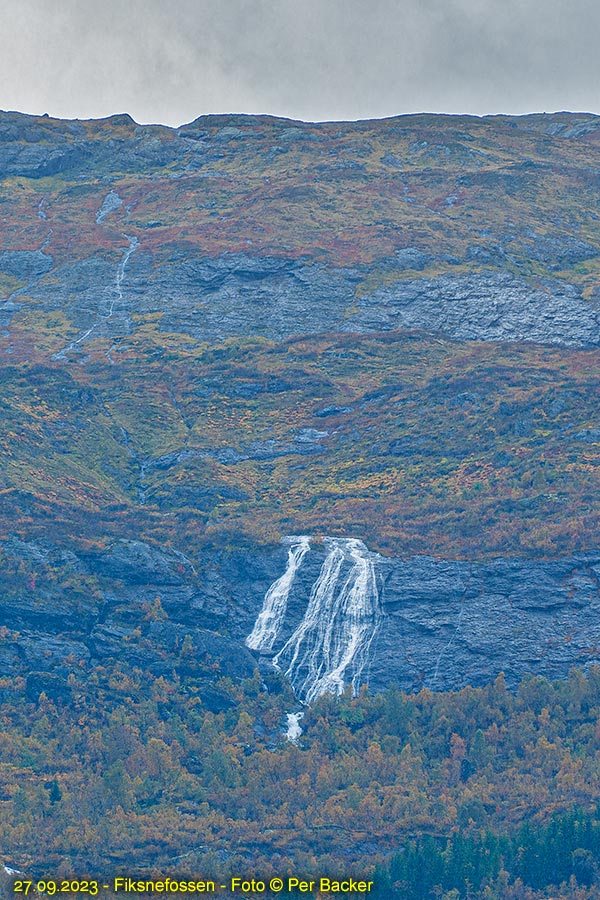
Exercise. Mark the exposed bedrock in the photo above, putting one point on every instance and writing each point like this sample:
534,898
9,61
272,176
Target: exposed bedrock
449,623
488,306
476,228
235,294
454,623
444,623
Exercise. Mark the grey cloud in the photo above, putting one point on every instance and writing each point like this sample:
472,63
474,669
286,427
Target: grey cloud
312,59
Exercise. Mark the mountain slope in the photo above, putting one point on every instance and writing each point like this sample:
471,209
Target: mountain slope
248,225
246,328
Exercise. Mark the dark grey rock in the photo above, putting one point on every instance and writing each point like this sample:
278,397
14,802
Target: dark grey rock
194,650
390,160
226,134
48,683
412,258
451,623
588,436
215,701
462,623
489,307
208,298
49,652
25,264
306,441
136,562
200,607
10,661
236,295
332,411
110,639
560,250
43,610
44,158
152,599
446,623
494,256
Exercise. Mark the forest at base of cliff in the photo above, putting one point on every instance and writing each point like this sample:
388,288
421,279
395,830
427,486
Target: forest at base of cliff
479,793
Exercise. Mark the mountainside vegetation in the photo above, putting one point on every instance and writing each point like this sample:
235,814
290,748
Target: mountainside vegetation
217,336
426,446
479,792
511,192
123,409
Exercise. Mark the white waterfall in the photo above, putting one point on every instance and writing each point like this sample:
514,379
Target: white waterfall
331,644
270,619
293,729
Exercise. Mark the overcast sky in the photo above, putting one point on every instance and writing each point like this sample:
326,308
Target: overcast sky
173,60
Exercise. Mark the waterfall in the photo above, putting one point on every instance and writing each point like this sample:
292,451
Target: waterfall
293,729
105,313
270,619
332,642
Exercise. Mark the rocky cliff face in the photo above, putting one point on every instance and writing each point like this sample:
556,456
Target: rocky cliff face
450,623
233,295
444,624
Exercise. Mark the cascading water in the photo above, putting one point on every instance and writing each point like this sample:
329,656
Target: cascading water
334,638
293,730
270,619
115,296
330,646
